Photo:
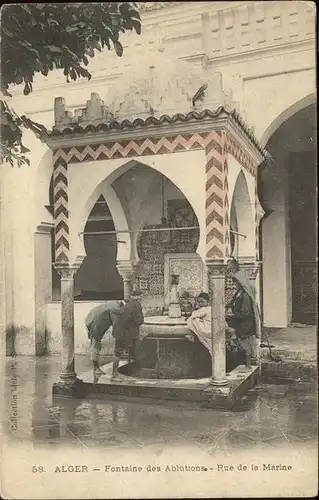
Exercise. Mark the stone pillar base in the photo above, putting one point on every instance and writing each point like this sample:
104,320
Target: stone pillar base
74,388
218,397
240,382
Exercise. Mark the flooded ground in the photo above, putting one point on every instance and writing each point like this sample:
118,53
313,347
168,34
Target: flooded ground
276,413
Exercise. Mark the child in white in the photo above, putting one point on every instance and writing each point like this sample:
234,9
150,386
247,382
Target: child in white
200,322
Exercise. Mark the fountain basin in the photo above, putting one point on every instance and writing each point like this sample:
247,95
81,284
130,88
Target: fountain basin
165,352
164,327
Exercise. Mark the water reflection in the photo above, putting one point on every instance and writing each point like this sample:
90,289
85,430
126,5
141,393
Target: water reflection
271,415
263,416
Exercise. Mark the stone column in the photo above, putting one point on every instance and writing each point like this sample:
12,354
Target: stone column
216,278
126,270
68,384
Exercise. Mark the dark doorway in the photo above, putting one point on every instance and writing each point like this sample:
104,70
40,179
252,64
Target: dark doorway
98,277
303,215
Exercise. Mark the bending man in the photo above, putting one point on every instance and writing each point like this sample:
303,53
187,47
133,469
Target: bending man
126,329
97,322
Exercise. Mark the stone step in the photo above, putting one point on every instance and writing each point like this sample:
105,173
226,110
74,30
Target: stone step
193,390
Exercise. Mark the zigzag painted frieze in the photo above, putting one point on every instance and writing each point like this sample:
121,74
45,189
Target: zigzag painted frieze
62,225
62,241
60,194
214,145
61,210
151,146
214,180
217,144
61,213
62,257
215,233
60,178
215,207
215,198
214,216
138,147
236,150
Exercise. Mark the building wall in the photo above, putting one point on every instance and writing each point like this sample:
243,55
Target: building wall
295,135
24,193
42,286
5,295
18,237
260,48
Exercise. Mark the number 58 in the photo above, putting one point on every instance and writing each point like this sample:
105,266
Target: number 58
37,468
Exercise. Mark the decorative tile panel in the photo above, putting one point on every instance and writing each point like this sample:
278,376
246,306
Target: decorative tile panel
191,270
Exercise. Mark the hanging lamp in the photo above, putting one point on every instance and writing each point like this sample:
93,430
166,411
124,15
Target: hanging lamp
164,236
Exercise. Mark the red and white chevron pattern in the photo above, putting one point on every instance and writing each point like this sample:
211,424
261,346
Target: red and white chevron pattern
214,143
236,150
215,196
138,147
60,192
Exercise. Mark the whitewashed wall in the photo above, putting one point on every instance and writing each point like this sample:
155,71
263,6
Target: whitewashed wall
81,309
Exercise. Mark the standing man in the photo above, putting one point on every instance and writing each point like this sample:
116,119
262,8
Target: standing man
244,309
97,322
126,329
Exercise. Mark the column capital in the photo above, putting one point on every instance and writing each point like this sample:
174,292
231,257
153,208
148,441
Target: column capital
251,268
216,268
66,270
126,269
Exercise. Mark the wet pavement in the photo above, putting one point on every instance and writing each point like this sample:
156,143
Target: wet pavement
273,414
297,342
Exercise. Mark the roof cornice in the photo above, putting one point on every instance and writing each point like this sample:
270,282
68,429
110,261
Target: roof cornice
193,122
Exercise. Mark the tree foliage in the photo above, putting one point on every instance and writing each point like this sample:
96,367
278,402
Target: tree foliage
43,37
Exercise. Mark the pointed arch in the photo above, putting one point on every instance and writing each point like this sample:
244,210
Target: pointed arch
242,219
285,115
80,209
106,190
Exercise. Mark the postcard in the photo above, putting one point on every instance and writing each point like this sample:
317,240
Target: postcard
158,263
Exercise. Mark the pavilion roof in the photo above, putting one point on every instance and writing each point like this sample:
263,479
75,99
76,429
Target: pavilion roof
109,123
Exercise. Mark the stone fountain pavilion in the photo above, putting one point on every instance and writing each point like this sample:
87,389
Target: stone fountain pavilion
187,128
